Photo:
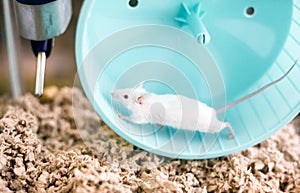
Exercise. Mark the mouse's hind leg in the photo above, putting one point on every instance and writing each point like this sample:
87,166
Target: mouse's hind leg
228,125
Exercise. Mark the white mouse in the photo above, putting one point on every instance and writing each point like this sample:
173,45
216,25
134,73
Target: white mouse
176,111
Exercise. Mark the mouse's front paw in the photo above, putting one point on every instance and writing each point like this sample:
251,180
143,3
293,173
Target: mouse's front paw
120,116
123,117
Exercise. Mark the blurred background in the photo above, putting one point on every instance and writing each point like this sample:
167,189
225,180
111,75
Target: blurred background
61,67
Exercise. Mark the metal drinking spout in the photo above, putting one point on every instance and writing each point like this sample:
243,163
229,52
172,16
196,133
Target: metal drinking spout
193,18
40,74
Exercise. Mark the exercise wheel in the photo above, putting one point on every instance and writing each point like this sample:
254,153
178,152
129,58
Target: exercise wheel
210,50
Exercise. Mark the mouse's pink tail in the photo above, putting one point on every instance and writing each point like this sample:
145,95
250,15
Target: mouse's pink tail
223,109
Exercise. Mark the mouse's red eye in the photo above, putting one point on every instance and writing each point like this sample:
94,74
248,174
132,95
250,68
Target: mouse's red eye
126,96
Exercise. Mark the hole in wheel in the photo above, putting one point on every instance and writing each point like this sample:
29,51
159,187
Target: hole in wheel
133,3
250,11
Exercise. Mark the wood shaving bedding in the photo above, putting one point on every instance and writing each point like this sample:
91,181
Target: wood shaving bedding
41,150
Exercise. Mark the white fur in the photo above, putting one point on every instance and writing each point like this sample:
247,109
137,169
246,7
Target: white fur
170,110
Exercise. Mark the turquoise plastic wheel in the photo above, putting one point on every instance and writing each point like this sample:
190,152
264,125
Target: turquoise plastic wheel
211,50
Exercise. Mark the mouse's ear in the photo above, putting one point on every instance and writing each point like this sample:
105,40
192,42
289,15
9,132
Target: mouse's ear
140,99
140,85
